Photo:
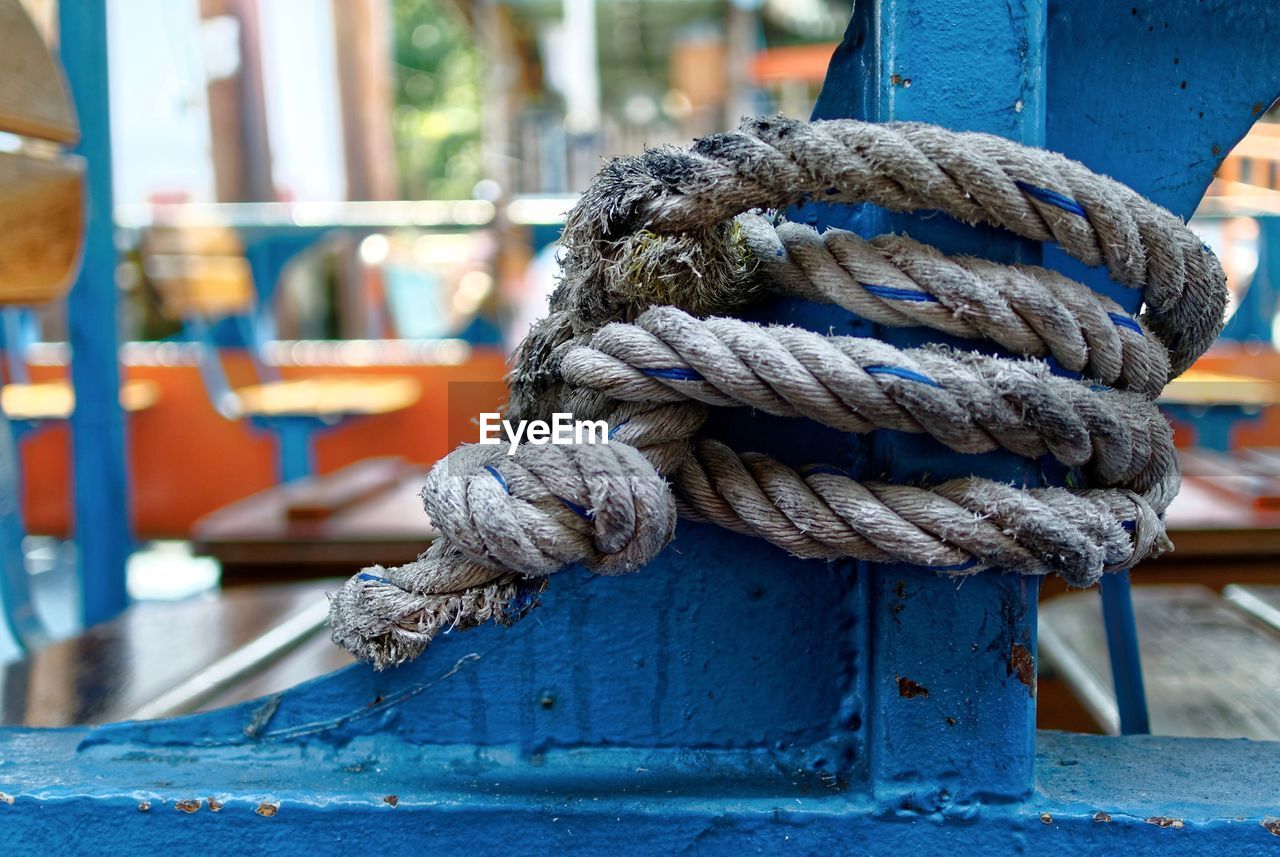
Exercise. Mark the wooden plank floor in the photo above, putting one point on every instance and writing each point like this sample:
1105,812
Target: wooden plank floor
1210,668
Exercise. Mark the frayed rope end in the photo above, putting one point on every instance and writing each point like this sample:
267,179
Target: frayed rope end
384,625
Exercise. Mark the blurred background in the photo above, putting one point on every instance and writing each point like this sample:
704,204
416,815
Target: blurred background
336,218
365,187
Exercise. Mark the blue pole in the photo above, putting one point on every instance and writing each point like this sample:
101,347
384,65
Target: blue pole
16,602
295,439
949,674
1122,646
97,425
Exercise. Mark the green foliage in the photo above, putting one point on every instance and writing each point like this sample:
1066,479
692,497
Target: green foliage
439,80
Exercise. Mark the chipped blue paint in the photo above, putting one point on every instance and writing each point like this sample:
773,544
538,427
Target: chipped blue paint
729,698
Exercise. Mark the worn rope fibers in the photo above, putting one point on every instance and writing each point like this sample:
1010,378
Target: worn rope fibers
664,246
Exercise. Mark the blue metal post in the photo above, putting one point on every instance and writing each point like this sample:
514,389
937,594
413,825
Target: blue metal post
295,443
97,425
1126,661
951,684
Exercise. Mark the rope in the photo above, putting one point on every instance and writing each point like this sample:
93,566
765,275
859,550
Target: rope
664,245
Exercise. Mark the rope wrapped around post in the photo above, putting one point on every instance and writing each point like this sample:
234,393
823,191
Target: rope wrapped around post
666,245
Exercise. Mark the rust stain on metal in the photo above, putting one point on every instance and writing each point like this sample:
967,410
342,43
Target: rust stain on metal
391,800
899,80
911,689
1271,824
266,809
1102,817
1023,665
144,806
1046,818
214,804
188,806
1164,821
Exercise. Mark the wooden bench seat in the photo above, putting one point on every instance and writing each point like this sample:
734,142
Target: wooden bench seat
1210,668
319,498
55,400
1200,387
328,397
167,658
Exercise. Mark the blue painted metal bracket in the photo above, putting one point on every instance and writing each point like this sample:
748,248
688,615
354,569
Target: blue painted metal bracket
730,698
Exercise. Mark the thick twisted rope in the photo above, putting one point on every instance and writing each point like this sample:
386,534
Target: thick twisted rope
663,242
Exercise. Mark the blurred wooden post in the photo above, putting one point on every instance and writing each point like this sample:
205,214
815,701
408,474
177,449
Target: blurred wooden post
362,35
238,112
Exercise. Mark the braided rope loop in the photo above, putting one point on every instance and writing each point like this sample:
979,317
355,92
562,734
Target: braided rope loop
665,247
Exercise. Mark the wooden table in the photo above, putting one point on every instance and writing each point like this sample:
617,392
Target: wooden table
1206,521
167,658
257,539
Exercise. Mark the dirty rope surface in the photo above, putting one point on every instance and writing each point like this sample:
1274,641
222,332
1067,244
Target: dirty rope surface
665,246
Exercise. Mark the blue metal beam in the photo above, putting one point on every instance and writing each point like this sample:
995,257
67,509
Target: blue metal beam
97,425
1095,795
951,683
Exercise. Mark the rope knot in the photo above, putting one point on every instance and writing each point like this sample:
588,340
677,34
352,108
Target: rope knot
547,506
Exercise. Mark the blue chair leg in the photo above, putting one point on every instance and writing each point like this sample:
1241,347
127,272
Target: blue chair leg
1126,661
296,454
19,609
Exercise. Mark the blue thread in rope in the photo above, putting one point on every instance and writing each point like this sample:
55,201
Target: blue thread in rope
674,374
493,471
894,294
581,511
365,575
1052,197
900,372
614,430
1125,321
